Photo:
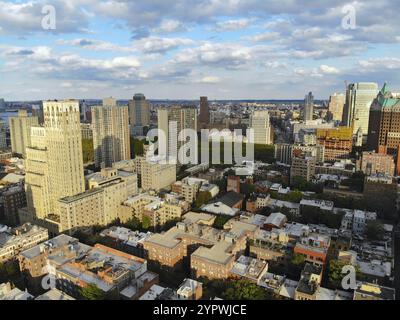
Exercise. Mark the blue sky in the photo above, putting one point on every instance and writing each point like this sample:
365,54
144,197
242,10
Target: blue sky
176,49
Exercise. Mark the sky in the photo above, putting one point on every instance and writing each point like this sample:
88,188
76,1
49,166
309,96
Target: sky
183,49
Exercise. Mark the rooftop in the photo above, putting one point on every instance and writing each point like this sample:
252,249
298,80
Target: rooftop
54,294
250,268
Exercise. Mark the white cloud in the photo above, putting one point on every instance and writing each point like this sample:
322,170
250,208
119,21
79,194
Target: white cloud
328,70
210,79
232,25
390,63
160,45
268,36
169,26
96,45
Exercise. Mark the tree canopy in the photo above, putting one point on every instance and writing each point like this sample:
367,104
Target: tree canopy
92,292
87,150
374,230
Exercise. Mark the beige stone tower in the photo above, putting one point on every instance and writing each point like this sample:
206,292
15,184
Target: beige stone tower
20,131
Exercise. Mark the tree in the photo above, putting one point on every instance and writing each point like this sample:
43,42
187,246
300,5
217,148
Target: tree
87,150
298,259
202,198
133,224
335,273
374,230
220,221
9,270
146,222
244,290
92,292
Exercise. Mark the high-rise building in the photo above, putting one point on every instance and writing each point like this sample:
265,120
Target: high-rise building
111,140
308,107
37,175
64,148
359,97
338,142
259,122
54,162
302,166
20,131
172,121
384,122
204,110
335,107
87,132
139,114
37,111
3,135
2,105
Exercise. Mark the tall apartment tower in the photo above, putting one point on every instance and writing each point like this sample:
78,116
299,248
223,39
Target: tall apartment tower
335,107
183,117
54,164
20,131
308,107
3,136
111,140
139,114
204,110
259,122
2,105
359,97
64,149
384,123
37,179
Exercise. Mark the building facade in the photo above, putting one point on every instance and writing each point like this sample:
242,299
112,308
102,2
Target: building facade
338,142
204,110
336,106
139,114
308,111
111,139
20,131
260,123
172,121
359,97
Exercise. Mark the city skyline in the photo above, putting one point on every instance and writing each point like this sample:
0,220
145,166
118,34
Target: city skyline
168,50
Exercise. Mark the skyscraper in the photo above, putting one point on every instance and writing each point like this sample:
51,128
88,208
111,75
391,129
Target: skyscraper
259,122
3,138
204,110
20,131
64,149
111,140
335,107
37,178
359,97
2,105
184,117
139,114
308,107
384,122
54,163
